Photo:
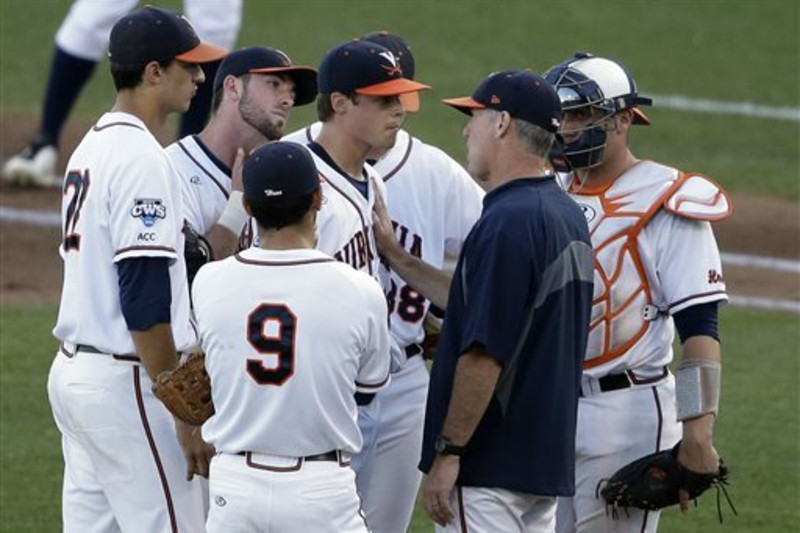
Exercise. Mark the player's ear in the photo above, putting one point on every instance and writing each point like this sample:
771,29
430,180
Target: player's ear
232,87
624,120
339,102
152,73
316,199
247,208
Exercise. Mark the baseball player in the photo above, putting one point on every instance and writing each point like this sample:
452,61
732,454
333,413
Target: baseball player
255,89
657,269
124,313
284,363
80,43
360,110
433,205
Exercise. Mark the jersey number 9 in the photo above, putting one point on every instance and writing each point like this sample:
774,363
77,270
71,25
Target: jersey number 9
271,330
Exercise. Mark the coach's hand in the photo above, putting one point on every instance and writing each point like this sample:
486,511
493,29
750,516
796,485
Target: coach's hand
197,452
382,226
439,486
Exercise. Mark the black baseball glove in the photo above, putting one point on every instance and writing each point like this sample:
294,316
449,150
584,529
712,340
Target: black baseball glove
652,482
196,251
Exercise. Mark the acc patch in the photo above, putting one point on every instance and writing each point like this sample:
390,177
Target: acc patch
149,210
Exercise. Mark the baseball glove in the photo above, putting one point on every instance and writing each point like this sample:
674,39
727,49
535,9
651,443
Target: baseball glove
196,251
652,482
186,391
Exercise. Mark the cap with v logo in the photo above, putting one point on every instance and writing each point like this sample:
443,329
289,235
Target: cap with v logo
366,68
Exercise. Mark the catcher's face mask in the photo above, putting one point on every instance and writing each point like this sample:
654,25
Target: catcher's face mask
591,90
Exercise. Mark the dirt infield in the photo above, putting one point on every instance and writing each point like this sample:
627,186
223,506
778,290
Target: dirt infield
30,268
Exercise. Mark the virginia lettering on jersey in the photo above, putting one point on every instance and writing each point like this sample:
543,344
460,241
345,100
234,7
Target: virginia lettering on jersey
414,247
357,252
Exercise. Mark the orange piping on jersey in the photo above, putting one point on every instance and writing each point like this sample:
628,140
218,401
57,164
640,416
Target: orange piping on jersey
613,209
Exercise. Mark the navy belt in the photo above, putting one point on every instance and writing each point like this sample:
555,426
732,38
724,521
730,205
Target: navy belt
412,350
332,455
85,348
627,379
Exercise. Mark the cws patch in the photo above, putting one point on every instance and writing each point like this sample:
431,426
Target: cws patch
148,209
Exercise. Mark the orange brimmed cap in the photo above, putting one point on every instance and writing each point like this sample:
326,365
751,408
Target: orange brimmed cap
155,34
364,68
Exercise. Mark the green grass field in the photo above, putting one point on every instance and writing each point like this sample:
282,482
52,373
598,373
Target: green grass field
730,50
758,430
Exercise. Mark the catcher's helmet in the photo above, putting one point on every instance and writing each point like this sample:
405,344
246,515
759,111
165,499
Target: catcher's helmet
596,82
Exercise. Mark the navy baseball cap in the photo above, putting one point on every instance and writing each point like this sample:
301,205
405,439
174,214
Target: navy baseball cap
263,60
279,172
365,68
397,45
521,93
155,34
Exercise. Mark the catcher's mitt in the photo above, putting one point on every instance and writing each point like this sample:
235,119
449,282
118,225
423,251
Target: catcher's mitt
186,391
652,482
196,251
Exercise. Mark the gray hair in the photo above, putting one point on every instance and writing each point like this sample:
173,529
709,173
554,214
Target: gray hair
534,139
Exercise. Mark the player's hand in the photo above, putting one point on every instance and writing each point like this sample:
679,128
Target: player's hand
196,451
697,452
382,225
236,172
439,486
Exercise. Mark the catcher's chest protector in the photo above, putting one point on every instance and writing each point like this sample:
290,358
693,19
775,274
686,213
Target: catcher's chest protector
622,302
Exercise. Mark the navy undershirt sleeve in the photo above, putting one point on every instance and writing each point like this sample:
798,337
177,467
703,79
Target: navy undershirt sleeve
696,320
145,293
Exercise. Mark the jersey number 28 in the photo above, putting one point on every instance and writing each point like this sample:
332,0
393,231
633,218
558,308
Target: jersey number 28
271,331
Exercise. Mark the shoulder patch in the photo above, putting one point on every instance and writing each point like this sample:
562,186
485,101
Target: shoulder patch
699,198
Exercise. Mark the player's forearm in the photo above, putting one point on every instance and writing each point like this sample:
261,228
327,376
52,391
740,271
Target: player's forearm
700,348
156,349
223,241
429,281
475,379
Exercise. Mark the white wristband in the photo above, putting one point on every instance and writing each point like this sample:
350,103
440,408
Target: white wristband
697,385
233,216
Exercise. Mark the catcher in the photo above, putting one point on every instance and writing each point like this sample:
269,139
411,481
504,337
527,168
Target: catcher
657,272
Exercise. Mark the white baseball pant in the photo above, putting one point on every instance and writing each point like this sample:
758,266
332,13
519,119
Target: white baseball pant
615,428
124,469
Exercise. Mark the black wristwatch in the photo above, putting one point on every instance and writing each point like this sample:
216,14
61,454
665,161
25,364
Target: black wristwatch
443,446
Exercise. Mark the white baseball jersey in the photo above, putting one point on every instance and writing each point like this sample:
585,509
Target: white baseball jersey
344,224
205,182
655,254
290,336
118,204
433,204
85,30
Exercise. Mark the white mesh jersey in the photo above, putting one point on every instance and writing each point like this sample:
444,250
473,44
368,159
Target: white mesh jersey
650,262
121,199
289,337
433,204
205,182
